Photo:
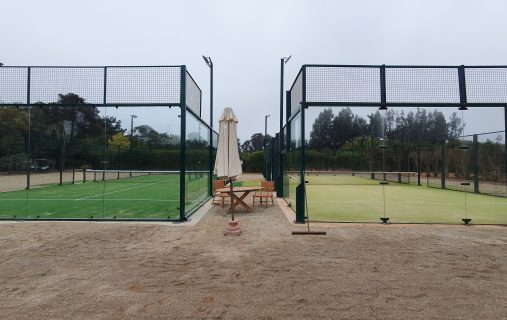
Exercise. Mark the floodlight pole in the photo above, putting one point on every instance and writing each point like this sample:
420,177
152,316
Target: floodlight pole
265,129
132,116
210,65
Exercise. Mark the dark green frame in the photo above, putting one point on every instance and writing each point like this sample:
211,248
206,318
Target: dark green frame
383,103
182,104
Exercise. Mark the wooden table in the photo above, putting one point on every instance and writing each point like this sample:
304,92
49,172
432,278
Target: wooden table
239,200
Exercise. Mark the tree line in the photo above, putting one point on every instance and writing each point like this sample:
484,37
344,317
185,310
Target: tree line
399,141
73,134
334,131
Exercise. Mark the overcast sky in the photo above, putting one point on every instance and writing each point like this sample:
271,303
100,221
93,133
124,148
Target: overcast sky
246,40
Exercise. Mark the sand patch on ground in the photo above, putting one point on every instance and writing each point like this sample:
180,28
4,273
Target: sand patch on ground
148,271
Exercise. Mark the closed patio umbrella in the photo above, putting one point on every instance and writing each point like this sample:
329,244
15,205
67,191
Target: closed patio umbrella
227,163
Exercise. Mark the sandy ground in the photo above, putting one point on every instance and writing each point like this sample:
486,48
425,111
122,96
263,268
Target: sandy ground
153,271
16,182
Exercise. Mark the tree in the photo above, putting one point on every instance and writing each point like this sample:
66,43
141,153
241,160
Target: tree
321,135
255,143
454,126
119,140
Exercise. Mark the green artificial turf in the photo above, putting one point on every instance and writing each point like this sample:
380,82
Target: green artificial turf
351,199
141,197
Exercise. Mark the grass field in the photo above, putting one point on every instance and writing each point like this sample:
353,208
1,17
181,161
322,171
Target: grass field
356,199
138,197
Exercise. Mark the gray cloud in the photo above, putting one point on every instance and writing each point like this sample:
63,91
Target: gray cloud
247,38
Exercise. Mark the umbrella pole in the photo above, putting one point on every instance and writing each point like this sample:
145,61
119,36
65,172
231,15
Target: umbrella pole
233,227
232,200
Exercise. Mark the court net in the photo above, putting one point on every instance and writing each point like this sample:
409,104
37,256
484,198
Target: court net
355,177
139,176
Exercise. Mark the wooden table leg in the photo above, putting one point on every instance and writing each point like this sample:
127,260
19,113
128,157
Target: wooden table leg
239,201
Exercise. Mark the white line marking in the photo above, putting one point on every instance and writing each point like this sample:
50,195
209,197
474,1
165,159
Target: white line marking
157,200
407,203
121,190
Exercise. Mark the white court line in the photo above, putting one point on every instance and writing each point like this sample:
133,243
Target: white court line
401,202
121,190
159,200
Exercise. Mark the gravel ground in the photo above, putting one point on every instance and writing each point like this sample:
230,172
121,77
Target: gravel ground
65,270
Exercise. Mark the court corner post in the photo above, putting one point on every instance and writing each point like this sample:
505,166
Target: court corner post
505,139
183,113
301,188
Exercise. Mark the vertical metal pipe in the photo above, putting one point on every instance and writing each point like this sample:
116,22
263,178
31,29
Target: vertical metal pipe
475,161
265,131
442,166
462,87
418,155
505,142
278,176
104,100
28,151
383,96
183,107
301,189
282,62
399,163
303,106
210,187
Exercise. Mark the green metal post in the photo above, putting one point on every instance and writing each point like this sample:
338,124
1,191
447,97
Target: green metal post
28,151
505,141
275,156
183,134
278,178
211,167
462,88
383,94
301,189
418,155
442,166
104,99
399,163
475,161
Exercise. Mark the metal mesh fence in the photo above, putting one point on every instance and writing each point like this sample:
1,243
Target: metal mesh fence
193,95
486,85
159,85
351,84
13,88
150,85
422,85
435,85
47,83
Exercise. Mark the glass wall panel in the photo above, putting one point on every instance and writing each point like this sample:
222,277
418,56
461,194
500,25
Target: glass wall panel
345,162
83,162
292,176
14,164
460,171
142,163
197,163
63,139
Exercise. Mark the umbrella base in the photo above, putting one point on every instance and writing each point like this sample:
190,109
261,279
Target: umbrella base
233,228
